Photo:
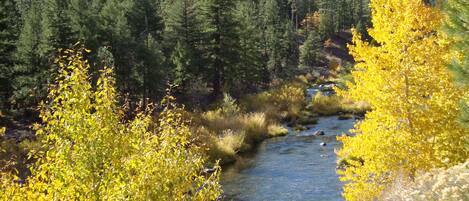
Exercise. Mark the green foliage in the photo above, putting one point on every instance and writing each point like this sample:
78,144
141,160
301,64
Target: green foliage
92,153
184,33
10,27
341,14
251,65
222,42
278,38
309,52
229,106
30,73
456,28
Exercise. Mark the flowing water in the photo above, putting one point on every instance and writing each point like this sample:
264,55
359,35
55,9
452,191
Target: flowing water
294,167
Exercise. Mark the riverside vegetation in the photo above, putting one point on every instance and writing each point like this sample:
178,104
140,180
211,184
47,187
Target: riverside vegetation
90,152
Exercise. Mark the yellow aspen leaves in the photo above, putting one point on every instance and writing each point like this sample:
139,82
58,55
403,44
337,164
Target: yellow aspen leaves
93,153
403,75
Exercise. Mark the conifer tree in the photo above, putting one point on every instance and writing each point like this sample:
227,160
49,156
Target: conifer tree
279,37
9,26
252,67
309,54
328,21
413,123
457,28
184,33
84,16
55,28
222,42
149,65
116,30
30,73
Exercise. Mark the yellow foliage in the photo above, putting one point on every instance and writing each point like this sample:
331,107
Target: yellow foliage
92,153
312,20
274,130
286,101
413,125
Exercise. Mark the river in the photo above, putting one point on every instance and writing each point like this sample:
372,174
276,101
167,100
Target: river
294,167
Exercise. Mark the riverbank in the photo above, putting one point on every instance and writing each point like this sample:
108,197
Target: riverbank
237,127
297,164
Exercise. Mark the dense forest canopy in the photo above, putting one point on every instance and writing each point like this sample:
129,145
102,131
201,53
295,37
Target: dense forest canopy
227,46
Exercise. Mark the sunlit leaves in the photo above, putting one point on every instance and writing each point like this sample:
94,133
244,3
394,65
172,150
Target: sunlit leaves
93,153
415,104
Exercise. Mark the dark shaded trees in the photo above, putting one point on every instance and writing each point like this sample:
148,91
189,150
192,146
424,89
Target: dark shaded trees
9,31
221,48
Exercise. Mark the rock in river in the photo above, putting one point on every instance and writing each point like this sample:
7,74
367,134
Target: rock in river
318,133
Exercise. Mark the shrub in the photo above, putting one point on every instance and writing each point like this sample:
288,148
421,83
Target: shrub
274,130
228,106
326,105
439,184
226,146
92,153
331,105
255,126
217,122
284,102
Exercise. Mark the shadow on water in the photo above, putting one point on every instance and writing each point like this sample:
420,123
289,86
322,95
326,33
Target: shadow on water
294,167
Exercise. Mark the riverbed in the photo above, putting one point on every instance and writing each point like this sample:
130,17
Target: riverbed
293,167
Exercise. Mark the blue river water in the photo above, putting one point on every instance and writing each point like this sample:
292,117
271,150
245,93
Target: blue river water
294,167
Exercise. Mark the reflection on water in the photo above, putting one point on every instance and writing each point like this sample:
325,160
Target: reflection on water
294,167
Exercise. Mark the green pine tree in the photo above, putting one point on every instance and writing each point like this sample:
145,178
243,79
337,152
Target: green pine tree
184,33
328,22
309,54
55,28
252,68
457,28
149,65
9,31
271,23
30,73
222,43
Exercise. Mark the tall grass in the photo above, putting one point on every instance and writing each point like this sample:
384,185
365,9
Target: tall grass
255,126
331,105
226,146
230,129
280,103
274,130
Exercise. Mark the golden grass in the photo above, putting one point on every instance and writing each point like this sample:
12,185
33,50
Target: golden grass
227,133
255,126
274,130
331,105
226,146
283,102
217,122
